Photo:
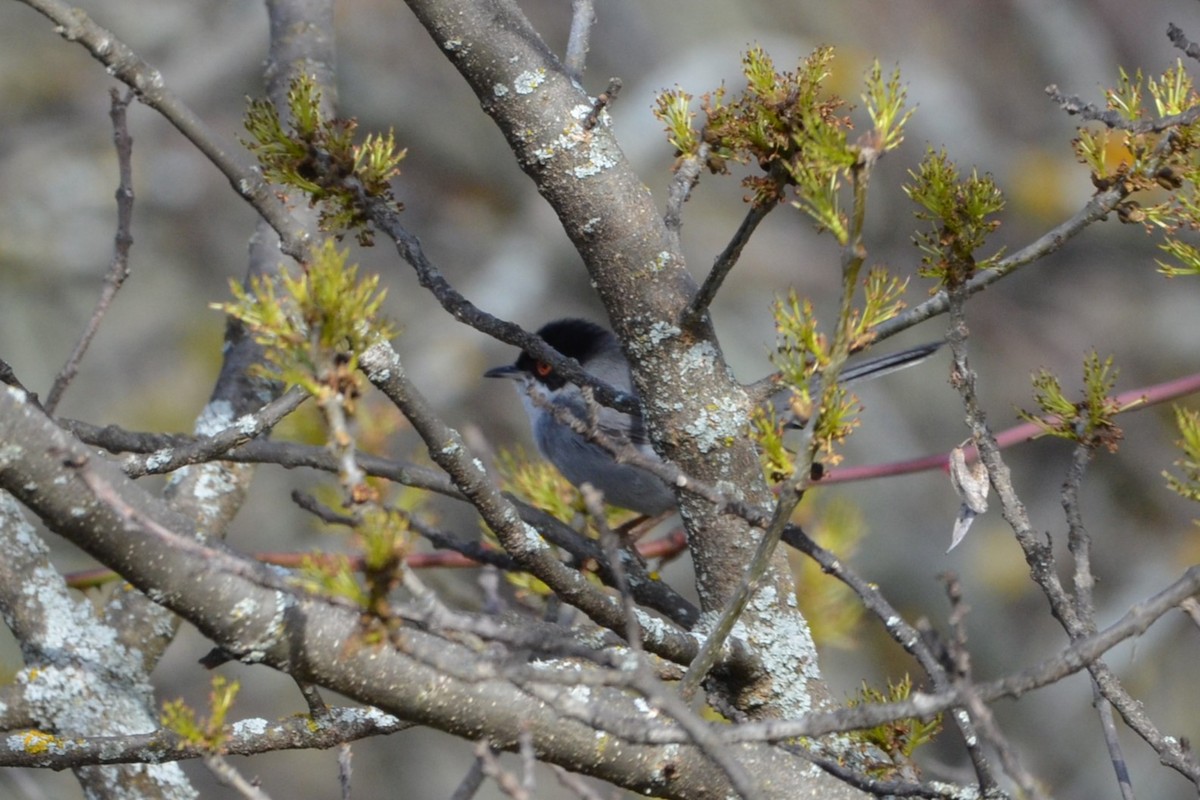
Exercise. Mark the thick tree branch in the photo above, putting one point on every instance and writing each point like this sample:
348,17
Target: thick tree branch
431,680
448,451
637,268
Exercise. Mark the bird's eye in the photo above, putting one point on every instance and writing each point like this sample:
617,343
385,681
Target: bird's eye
542,369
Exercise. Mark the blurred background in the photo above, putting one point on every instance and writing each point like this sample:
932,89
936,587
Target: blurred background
975,70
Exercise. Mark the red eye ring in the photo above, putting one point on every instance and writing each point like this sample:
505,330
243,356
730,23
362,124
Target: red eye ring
542,369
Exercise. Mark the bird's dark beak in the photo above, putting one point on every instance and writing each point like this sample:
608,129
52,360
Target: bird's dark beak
508,371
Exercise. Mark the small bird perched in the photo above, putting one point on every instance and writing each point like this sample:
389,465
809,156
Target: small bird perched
580,461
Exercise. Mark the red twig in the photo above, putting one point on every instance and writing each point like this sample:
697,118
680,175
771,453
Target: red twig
1135,400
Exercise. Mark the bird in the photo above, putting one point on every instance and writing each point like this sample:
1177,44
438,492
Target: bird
549,398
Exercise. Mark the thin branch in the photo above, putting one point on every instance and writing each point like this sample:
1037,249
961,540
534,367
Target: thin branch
345,770
430,277
1078,541
228,775
576,784
1040,556
1097,208
471,782
118,268
147,82
288,455
705,736
974,718
687,175
583,17
317,706
244,738
724,263
891,788
594,502
475,553
528,761
990,732
602,102
648,591
505,780
211,448
1114,119
900,631
446,448
1080,545
1181,41
1172,751
1116,754
321,511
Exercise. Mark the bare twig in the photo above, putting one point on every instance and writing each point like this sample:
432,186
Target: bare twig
505,780
724,263
312,698
289,455
471,782
227,774
1116,754
576,784
602,102
985,722
890,788
127,66
583,17
312,505
345,769
118,268
1080,545
979,722
408,246
1180,40
687,175
528,762
900,631
703,735
210,448
594,502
